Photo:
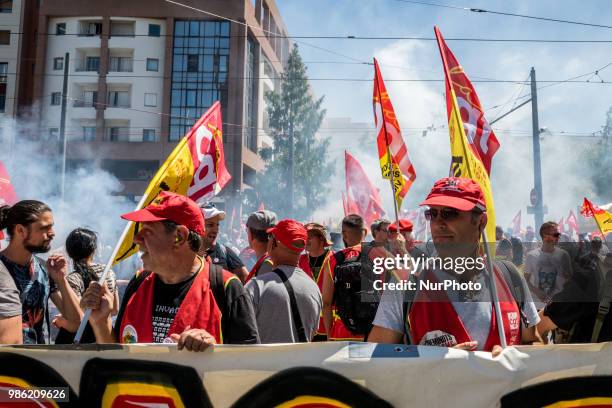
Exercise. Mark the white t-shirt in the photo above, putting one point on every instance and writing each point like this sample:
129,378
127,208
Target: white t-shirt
548,271
475,312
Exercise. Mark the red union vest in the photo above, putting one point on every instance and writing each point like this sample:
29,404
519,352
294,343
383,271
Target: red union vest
255,270
304,264
434,321
199,310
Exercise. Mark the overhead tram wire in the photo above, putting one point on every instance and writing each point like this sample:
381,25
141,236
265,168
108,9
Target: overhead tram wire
508,14
267,31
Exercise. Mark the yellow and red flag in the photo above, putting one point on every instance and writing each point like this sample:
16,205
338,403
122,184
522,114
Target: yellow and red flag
392,151
479,134
467,160
603,218
195,168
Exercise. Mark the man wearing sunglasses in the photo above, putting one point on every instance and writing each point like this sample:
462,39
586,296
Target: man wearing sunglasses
547,268
449,317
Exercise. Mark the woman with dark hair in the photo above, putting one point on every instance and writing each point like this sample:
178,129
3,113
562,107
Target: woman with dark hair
81,246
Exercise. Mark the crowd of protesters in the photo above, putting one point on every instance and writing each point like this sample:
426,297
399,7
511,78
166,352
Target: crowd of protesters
292,282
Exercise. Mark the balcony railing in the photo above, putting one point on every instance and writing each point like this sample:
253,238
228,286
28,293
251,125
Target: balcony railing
88,65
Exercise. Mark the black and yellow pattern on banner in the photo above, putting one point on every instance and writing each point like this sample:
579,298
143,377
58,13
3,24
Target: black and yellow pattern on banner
20,372
583,392
309,387
137,383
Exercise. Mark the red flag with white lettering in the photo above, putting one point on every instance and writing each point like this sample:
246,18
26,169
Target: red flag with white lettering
206,147
362,195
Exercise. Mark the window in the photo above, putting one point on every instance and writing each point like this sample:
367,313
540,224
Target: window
92,64
192,63
89,133
2,96
154,30
120,64
148,135
58,63
131,169
3,72
152,64
249,135
150,99
200,59
56,98
118,134
90,98
53,134
60,29
90,28
122,29
5,37
6,6
119,99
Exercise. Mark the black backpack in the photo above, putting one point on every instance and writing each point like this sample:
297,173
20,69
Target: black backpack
355,299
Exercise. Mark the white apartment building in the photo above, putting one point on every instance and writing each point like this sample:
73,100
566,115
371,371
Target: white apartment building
115,83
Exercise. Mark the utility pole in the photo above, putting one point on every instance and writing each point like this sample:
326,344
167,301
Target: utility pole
291,166
62,141
538,204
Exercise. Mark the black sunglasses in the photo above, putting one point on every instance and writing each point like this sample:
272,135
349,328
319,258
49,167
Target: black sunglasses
555,234
447,214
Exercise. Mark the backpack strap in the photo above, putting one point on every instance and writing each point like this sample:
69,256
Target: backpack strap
514,280
215,276
295,312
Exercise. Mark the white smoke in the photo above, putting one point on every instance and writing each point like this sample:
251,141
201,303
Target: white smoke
90,198
421,105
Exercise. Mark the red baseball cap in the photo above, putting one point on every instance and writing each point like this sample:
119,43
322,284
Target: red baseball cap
171,206
463,194
404,226
290,232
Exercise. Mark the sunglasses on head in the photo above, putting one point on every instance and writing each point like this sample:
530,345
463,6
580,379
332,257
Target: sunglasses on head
447,214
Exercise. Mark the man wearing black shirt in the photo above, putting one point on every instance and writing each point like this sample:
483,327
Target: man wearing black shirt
185,299
220,254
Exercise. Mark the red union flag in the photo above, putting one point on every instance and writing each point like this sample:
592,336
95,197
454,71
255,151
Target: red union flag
392,151
361,195
603,218
195,168
572,222
7,193
206,146
477,130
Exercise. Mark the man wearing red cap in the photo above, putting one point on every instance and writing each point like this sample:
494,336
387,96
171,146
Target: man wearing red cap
287,301
185,299
453,316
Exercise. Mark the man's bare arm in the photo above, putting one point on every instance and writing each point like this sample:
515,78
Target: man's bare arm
10,330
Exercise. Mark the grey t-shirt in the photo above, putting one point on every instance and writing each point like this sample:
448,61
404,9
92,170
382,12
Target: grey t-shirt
273,308
474,312
10,303
548,271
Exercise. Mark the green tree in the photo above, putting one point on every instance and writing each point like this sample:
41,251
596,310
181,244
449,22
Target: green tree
295,181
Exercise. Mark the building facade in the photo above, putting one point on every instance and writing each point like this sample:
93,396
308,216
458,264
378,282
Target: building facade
140,74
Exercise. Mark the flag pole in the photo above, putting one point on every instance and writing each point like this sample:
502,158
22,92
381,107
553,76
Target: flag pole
392,170
109,264
392,179
494,295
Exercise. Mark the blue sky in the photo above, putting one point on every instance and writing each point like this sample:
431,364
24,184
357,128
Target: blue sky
563,109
